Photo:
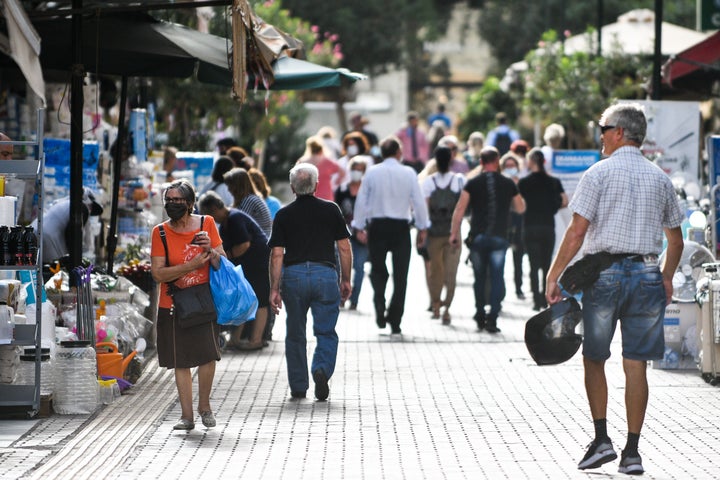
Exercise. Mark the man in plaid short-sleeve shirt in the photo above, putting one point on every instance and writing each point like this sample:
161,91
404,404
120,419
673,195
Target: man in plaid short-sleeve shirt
622,206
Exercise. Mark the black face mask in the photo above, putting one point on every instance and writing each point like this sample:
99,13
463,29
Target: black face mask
176,210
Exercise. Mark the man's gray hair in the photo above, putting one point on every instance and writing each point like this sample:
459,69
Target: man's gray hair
304,178
554,133
629,116
209,202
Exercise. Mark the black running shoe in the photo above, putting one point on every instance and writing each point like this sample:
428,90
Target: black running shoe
631,464
598,453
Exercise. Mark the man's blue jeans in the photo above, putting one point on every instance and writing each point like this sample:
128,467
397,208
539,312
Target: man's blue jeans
488,252
633,293
310,286
360,257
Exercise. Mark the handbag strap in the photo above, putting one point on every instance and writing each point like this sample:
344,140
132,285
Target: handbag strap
161,229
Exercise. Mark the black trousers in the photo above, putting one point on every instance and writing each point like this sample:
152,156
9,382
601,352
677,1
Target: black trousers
386,235
518,248
539,244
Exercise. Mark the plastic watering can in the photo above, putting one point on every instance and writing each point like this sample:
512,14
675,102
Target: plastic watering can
112,362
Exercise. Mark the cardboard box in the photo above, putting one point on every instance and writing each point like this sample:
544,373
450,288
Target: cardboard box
682,340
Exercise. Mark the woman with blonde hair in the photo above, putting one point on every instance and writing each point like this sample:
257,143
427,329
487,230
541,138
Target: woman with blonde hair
260,181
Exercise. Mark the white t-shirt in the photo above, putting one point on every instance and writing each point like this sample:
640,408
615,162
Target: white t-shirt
455,180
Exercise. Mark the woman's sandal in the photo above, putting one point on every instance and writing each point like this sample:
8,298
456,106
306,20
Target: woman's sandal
208,419
184,424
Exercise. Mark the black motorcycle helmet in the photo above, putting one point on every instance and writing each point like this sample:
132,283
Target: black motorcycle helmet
550,335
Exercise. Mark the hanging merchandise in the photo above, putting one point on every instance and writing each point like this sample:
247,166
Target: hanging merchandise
138,133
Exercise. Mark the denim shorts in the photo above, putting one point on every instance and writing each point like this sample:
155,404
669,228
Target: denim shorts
632,292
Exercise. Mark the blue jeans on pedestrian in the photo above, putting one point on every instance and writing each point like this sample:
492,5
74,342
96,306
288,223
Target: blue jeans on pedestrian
360,257
310,286
632,292
488,252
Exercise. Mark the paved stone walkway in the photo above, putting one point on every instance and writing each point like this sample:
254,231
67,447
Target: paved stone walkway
444,402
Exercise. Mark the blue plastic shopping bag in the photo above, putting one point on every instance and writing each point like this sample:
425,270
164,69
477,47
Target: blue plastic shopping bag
234,298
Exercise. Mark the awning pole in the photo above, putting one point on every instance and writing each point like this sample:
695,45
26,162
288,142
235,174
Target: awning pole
657,57
76,134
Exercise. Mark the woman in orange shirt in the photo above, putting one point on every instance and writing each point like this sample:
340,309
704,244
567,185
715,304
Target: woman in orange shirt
190,255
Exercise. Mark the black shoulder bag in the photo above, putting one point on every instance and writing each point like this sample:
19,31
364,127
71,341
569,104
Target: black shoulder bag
192,306
586,271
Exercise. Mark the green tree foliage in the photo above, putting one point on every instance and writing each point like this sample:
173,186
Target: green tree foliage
482,106
512,27
377,34
573,90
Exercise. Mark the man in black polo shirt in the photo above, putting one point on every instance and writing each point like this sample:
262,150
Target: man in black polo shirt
490,195
303,274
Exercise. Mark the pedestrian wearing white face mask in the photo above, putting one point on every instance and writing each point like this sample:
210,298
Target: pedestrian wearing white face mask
354,144
345,198
510,167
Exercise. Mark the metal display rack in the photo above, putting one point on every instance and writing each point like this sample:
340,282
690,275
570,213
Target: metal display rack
18,396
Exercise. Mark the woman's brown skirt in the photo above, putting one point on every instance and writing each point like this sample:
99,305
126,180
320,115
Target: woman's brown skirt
185,347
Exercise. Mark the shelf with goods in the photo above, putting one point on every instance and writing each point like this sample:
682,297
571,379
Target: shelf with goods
27,335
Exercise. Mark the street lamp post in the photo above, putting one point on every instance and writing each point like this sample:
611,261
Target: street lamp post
657,57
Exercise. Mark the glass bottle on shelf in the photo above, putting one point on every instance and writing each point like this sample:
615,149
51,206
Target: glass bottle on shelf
29,246
5,257
15,242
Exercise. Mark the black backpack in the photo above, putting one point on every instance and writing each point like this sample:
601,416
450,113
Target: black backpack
441,206
503,142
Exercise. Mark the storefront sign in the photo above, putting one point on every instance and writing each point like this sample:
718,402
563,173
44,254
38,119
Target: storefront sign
673,137
569,166
709,15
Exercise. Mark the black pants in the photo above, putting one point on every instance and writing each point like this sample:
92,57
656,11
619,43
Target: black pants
518,248
539,244
385,236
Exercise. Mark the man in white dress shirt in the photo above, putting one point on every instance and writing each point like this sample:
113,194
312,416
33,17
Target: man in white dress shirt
388,200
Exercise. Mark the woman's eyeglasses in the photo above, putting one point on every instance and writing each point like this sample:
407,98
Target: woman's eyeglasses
174,200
